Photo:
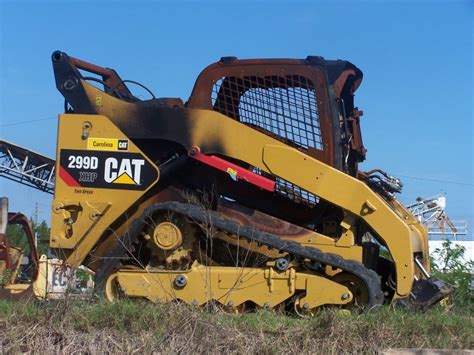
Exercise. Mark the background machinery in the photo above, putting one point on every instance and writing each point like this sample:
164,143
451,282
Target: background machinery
26,167
23,271
248,194
432,213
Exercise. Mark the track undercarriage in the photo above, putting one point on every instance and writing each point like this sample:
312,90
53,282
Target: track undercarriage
186,252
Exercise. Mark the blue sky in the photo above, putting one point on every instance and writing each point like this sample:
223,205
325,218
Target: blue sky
416,57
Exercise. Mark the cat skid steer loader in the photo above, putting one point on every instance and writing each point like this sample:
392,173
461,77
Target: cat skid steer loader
247,195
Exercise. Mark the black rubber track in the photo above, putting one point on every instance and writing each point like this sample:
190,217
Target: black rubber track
369,277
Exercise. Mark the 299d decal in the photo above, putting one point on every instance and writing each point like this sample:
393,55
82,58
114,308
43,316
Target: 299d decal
109,170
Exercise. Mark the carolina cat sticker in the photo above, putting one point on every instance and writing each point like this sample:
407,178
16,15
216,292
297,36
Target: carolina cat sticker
111,144
109,170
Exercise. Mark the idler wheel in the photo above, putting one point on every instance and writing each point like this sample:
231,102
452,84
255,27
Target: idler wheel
167,236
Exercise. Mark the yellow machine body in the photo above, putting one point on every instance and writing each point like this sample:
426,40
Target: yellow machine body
120,194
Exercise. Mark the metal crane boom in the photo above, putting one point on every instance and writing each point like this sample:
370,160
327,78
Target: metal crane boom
26,167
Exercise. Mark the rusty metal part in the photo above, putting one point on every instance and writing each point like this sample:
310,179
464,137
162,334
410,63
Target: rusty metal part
22,220
109,76
261,221
8,291
233,87
233,81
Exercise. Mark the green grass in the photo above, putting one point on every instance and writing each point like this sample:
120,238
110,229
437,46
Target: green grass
129,326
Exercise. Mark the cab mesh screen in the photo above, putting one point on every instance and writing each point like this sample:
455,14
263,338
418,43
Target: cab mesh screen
283,106
290,191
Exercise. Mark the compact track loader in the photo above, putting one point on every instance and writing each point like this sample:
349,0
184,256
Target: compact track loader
248,194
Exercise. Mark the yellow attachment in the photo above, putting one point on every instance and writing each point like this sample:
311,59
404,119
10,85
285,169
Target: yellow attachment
3,268
111,288
15,289
231,286
17,257
167,236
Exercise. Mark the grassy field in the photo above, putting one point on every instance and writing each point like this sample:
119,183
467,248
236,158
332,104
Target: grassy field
78,327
